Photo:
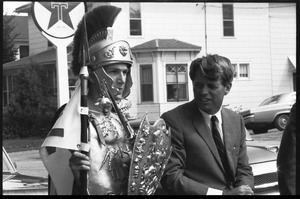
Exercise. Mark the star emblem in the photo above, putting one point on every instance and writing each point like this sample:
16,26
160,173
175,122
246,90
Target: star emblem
60,11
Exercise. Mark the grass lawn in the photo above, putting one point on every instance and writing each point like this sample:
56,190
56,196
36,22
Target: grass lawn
24,144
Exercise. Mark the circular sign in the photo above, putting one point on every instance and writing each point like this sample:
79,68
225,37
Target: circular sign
58,19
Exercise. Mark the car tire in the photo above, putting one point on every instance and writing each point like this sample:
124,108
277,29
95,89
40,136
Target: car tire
281,121
260,130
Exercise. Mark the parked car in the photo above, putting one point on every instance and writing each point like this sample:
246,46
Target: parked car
14,183
262,158
273,112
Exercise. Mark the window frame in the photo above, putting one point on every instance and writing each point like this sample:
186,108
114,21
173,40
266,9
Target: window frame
135,19
23,51
228,20
177,83
141,66
237,70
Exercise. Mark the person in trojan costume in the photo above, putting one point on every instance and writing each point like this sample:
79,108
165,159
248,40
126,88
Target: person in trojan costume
117,160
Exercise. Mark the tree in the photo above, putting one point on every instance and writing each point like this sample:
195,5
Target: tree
33,106
9,51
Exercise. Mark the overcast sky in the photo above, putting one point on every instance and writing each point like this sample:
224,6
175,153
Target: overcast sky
10,6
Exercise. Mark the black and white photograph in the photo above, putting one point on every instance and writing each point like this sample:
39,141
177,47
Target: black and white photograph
149,98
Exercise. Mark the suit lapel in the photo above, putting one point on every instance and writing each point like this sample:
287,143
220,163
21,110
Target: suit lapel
229,132
204,131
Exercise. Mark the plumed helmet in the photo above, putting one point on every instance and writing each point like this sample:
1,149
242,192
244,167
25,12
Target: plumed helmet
103,50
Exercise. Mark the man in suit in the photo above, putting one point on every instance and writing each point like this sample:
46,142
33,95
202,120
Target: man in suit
286,159
195,165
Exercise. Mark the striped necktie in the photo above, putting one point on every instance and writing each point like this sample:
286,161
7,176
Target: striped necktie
220,146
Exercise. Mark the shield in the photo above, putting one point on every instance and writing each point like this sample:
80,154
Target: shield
151,152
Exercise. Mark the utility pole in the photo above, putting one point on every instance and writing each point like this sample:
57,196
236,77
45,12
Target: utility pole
205,28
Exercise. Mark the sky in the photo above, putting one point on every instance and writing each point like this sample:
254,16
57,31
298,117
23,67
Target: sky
10,6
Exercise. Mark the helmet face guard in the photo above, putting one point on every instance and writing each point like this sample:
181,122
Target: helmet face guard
106,52
105,82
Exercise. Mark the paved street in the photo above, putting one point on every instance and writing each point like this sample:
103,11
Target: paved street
29,162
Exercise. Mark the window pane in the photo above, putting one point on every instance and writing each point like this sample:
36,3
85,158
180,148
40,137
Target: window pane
147,93
171,69
227,11
182,78
171,78
182,91
228,25
146,83
228,28
24,51
135,19
135,27
182,69
176,82
243,70
146,75
49,44
135,10
172,92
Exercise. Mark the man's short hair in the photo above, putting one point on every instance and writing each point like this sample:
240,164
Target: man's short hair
214,67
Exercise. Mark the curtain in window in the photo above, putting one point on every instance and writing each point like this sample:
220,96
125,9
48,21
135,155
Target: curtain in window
243,70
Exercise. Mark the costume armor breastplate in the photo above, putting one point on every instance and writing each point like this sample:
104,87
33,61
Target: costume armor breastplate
109,156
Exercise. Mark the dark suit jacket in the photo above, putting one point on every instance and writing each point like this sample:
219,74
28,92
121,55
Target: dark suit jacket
194,165
286,160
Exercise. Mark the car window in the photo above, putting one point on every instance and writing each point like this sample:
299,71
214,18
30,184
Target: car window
270,100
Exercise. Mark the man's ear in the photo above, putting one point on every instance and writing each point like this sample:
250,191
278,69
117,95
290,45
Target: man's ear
227,88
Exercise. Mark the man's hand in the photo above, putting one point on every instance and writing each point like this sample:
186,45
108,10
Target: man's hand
241,190
77,162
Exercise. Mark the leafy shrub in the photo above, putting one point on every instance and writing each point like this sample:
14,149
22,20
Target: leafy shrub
33,105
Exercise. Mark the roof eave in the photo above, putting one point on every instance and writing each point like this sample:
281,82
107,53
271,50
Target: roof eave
24,9
165,50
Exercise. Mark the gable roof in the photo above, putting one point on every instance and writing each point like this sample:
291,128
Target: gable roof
165,45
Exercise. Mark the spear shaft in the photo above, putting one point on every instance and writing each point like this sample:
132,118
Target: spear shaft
84,75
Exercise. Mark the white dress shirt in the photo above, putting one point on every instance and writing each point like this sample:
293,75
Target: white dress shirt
207,118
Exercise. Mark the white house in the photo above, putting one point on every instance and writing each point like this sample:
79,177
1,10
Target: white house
258,38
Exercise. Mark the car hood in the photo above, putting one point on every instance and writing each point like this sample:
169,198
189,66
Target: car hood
16,183
262,151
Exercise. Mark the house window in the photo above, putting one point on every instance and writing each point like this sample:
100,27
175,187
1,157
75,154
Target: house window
177,82
234,70
241,71
7,90
24,51
135,19
146,83
228,23
244,73
50,44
